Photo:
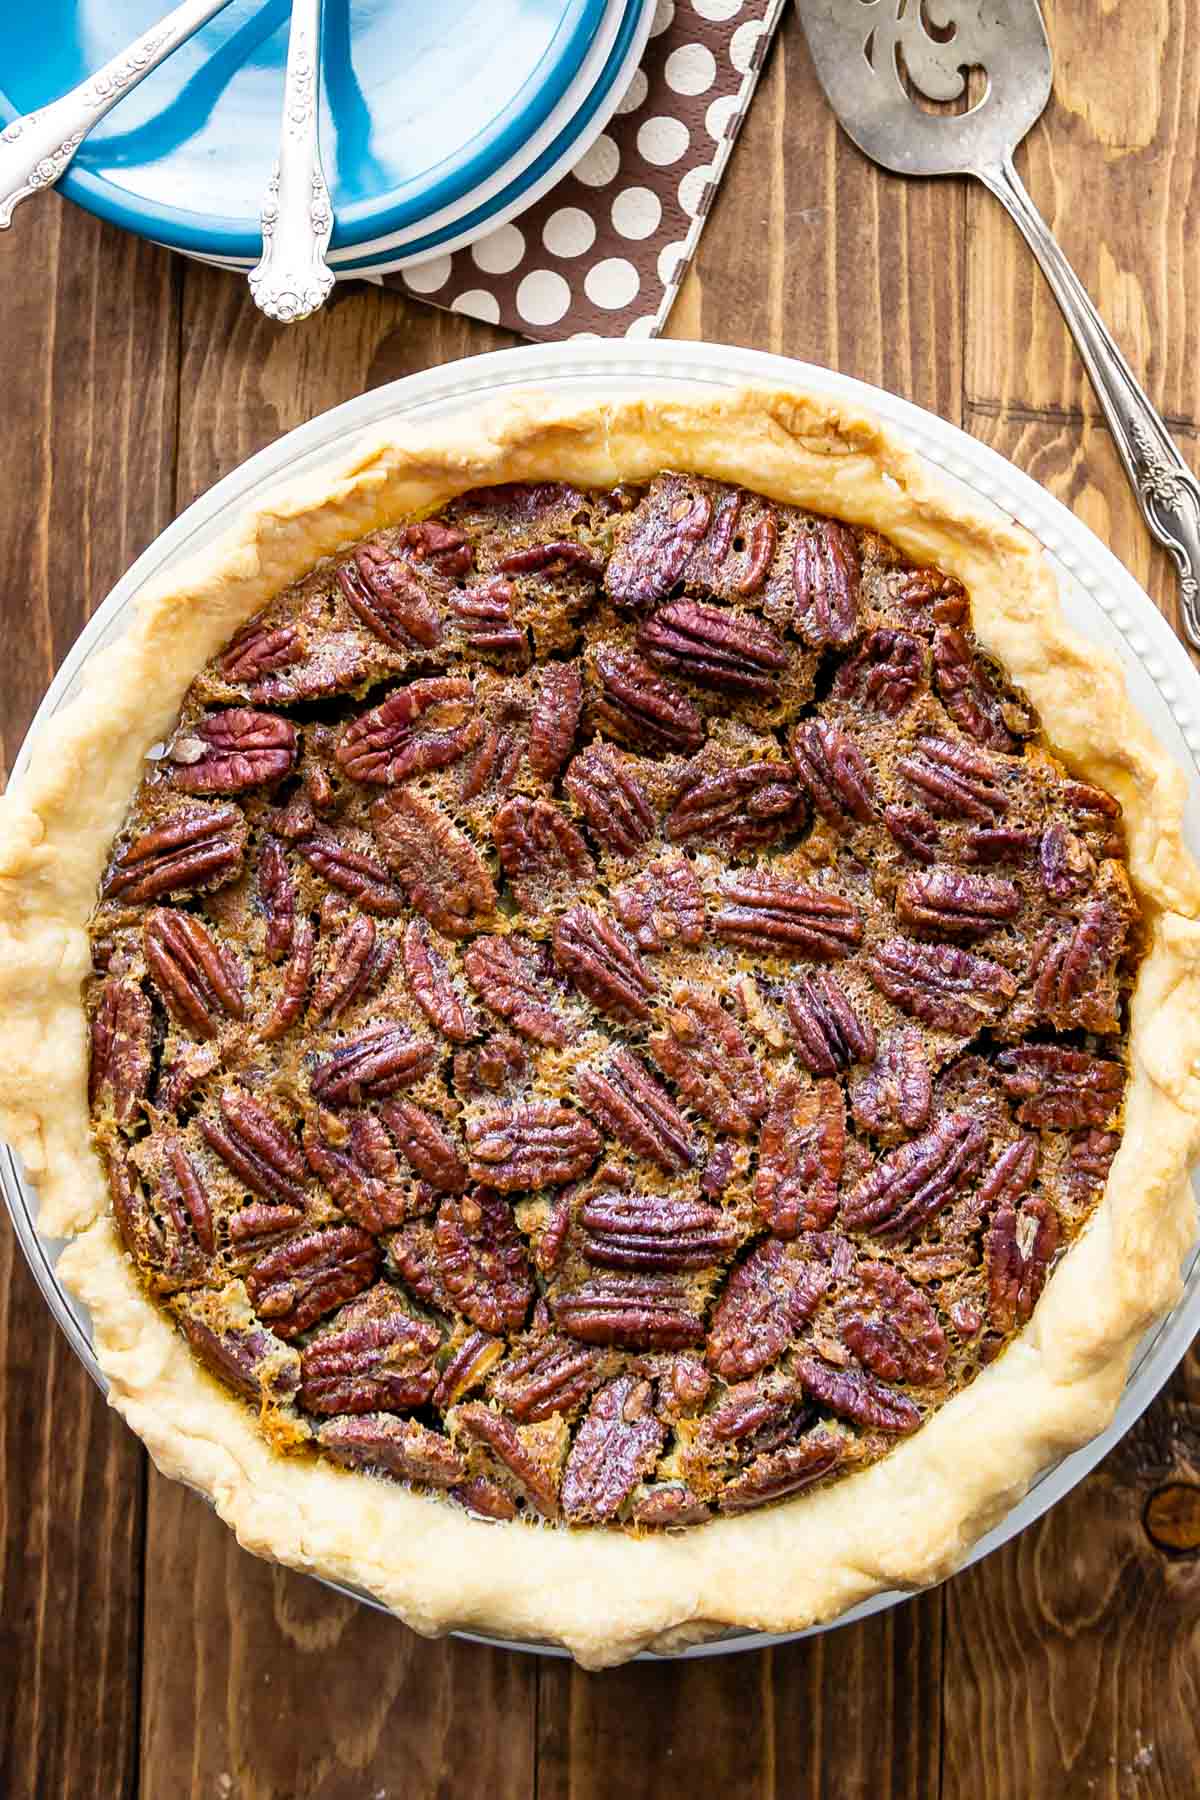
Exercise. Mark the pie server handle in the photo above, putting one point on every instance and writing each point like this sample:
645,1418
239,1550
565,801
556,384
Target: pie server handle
37,147
1167,491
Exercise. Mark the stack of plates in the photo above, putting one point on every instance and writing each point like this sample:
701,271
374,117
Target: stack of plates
440,119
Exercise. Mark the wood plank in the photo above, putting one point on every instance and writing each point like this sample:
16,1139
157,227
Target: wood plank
90,334
813,252
1112,165
258,1682
1073,1654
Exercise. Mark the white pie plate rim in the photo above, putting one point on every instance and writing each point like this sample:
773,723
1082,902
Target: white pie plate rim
1100,597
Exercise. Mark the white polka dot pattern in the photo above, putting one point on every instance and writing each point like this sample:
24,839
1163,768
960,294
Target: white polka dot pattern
603,254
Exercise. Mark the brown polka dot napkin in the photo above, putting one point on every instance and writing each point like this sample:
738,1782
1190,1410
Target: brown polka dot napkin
603,253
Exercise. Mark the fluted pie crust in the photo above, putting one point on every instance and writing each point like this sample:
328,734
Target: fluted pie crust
605,1595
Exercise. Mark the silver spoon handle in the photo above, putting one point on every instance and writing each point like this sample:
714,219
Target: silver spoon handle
292,279
1167,491
36,149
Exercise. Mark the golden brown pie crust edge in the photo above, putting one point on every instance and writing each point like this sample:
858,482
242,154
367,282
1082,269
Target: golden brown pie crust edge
605,1595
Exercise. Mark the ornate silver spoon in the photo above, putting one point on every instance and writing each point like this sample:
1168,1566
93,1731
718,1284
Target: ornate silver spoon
36,149
292,278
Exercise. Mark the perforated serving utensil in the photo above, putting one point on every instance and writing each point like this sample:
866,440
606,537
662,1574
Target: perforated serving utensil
863,50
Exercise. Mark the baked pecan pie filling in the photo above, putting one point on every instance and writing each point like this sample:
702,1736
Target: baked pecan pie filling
606,1008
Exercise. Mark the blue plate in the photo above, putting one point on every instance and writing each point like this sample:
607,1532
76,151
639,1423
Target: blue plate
423,102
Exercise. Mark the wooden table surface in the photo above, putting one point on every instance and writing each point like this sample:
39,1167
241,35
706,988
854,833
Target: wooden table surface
141,1652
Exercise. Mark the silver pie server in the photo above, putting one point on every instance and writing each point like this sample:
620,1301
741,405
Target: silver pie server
292,278
36,149
862,50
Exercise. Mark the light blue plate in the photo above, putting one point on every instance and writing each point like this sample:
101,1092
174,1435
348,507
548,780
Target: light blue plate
422,103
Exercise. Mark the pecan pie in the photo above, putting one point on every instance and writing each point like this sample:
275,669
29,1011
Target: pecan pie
607,1007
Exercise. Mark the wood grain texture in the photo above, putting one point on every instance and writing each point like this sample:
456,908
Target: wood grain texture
813,252
1112,165
86,455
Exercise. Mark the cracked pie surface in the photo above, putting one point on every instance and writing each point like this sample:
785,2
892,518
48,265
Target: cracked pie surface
625,1064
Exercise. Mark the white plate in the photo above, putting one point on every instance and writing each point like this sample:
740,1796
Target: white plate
1101,600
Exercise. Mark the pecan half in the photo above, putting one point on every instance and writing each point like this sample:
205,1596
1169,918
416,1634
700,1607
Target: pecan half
640,708
444,547
376,1062
1075,970
374,1357
389,599
768,1298
707,1057
748,804
1020,1246
638,1312
555,719
655,1232
1088,1164
294,991
540,1144
884,673
401,1447
258,1224
663,905
779,1473
652,553
553,1375
438,866
956,903
669,1505
942,599
562,556
257,1148
714,648
896,1092
956,781
617,1443
639,1112
761,911
943,986
1061,1089
228,752
602,963
260,648
829,1033
298,1283
965,692
908,1187
421,727
891,1327
852,1395
195,849
481,1258
826,576
484,614
914,830
431,987
199,979
425,1145
497,1066
1065,863
360,876
998,844
121,1059
604,787
541,852
523,1454
226,1337
800,1156
467,1367
505,973
833,772
361,1172
349,965
277,897
1010,1176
